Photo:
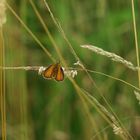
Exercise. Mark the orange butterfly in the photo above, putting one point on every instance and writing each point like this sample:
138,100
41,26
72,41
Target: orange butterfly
54,71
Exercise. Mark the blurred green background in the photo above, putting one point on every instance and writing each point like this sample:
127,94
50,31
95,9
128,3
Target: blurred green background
39,109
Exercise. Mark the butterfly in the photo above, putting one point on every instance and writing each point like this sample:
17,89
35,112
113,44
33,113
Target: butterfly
54,71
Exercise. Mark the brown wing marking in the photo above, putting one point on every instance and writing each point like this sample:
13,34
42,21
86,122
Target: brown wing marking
60,74
49,72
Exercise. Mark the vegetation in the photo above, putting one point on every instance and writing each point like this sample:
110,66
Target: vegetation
101,102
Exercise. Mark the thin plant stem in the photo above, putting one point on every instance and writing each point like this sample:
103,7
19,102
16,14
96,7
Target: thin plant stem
93,123
101,110
36,68
58,25
53,42
76,56
136,38
23,95
48,33
31,33
59,54
2,86
110,116
115,78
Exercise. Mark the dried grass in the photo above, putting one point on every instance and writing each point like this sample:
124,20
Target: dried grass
112,56
2,12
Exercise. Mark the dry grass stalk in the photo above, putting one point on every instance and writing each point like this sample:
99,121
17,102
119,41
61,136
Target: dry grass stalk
136,38
137,94
34,68
68,72
111,55
2,12
117,128
2,72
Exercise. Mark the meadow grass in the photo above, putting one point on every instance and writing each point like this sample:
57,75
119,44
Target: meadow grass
85,119
2,72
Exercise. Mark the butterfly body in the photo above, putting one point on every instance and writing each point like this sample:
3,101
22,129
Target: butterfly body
54,71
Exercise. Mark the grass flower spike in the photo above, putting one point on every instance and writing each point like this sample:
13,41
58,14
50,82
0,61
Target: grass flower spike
111,55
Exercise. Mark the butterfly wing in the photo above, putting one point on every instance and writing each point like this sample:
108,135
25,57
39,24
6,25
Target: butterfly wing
49,72
60,74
